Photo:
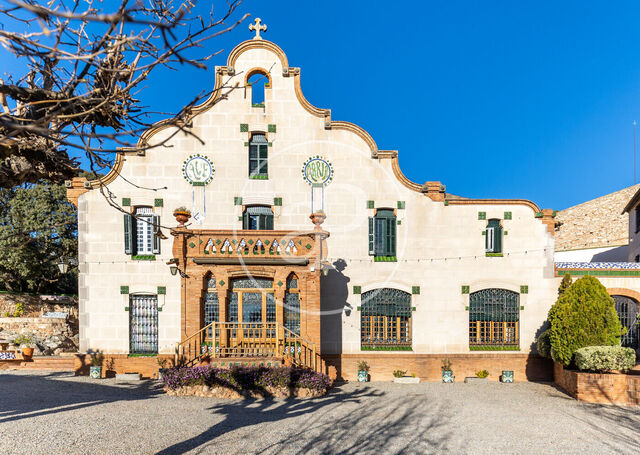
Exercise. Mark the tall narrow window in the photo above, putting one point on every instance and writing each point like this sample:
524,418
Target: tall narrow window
258,151
382,234
139,232
143,324
627,310
211,305
257,217
493,240
494,316
292,305
637,219
257,82
385,320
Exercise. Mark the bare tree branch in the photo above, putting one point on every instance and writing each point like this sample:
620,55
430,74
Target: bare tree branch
85,68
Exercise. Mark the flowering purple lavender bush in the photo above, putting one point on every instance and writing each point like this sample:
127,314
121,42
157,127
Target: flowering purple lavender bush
247,378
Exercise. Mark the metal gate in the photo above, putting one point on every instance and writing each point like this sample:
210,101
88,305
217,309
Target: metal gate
143,324
627,310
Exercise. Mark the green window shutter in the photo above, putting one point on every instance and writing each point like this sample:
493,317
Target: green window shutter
269,222
391,243
498,240
371,236
156,239
128,234
245,220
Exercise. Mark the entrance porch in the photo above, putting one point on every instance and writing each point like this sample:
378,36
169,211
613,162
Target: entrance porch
250,294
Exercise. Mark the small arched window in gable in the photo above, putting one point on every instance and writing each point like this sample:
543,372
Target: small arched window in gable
258,82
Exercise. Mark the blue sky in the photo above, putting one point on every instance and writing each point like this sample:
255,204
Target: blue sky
493,98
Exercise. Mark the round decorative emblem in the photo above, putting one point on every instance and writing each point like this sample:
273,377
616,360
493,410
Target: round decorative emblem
317,171
198,170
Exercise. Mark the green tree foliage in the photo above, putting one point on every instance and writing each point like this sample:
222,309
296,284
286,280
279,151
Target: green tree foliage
564,285
38,226
543,344
584,315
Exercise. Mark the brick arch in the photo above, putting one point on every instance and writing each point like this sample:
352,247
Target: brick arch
635,295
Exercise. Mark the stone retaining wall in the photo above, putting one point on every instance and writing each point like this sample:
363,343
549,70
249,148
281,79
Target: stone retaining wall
37,305
603,388
225,392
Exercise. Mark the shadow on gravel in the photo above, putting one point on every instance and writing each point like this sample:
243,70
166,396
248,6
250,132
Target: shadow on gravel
26,396
358,423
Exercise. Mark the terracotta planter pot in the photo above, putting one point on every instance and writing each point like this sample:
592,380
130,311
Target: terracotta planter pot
182,217
27,353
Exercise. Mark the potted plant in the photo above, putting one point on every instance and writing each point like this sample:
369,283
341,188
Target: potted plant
447,372
182,215
480,377
507,376
400,377
363,371
162,364
26,346
95,370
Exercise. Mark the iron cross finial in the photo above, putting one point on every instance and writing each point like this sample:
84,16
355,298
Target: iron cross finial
258,27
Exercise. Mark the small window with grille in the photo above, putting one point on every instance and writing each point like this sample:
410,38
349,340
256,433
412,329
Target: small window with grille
143,324
385,320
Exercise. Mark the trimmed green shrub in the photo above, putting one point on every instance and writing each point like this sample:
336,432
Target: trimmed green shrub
565,284
584,315
543,344
605,358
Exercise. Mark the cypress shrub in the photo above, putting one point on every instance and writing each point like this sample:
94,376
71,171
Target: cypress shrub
605,358
543,344
584,315
565,283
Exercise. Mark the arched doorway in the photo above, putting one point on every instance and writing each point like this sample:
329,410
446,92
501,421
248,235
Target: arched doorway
627,309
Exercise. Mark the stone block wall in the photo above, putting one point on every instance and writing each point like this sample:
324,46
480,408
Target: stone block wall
596,223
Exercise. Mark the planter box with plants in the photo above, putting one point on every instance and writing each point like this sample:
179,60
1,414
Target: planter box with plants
363,371
247,382
481,377
447,372
400,378
26,346
95,370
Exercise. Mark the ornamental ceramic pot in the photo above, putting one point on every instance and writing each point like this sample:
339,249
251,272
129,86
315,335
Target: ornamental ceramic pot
95,372
27,353
363,376
507,376
181,217
318,218
161,372
447,376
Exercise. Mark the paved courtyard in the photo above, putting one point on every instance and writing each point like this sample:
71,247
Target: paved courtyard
55,413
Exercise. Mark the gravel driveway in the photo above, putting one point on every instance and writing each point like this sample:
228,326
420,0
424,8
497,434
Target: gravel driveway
55,413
